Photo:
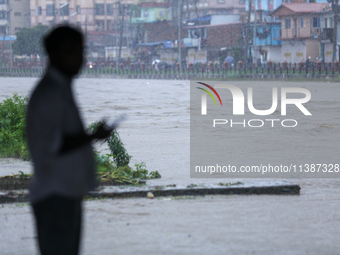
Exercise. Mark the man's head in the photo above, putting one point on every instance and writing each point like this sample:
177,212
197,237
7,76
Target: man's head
64,46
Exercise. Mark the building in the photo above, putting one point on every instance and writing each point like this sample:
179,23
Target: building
266,42
14,15
90,15
215,19
200,8
265,7
205,43
20,14
302,32
151,12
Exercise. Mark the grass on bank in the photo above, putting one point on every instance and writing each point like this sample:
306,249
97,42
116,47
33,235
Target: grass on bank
112,168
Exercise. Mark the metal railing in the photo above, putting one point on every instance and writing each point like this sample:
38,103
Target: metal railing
274,70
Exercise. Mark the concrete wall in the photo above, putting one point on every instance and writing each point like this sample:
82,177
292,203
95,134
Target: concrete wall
328,51
312,49
293,51
224,19
274,53
19,15
302,32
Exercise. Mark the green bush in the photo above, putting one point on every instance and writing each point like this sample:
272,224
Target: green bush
118,151
118,161
13,142
12,127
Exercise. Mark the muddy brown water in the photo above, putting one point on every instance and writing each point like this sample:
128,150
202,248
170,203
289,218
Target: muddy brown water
157,132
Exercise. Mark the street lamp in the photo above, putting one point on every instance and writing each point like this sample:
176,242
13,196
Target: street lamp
60,8
72,15
10,37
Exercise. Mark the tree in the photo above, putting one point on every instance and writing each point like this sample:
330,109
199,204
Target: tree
29,41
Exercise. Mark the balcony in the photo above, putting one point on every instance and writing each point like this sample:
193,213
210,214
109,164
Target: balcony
3,22
327,34
289,34
315,32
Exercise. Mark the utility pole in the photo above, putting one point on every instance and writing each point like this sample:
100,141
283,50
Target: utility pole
255,40
121,33
3,44
248,33
335,6
179,3
116,33
10,36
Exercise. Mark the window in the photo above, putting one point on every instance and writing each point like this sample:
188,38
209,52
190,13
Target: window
2,1
331,22
316,22
286,1
301,22
242,1
100,25
137,14
17,14
78,9
38,10
3,15
49,9
161,13
326,23
79,24
64,10
109,9
220,1
287,24
109,25
100,9
146,13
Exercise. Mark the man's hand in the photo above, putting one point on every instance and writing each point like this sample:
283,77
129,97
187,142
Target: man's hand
73,142
102,132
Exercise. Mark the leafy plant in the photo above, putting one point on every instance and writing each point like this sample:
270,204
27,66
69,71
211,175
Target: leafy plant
12,127
118,151
13,144
117,163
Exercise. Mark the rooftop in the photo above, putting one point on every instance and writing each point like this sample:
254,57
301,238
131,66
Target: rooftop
294,8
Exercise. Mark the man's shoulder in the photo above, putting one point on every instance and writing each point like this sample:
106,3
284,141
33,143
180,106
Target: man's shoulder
47,90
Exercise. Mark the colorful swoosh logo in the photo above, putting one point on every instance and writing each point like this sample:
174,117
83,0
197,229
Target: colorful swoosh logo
209,93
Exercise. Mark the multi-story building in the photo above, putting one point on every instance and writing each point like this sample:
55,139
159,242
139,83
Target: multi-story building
20,14
4,17
265,7
302,31
151,12
105,22
14,15
204,43
266,42
199,8
90,15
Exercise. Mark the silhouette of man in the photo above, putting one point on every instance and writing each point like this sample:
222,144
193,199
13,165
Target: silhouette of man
60,148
